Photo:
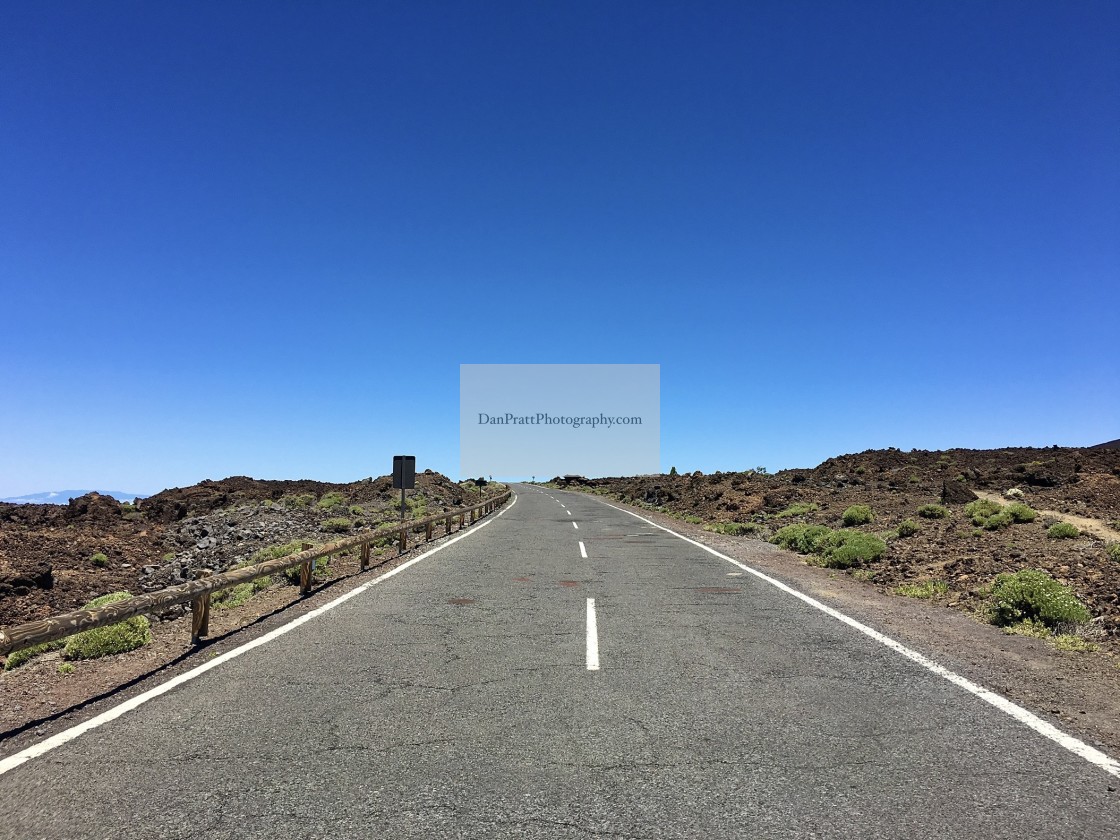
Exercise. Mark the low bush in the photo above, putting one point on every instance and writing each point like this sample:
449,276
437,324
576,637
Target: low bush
1063,531
804,539
1021,513
844,549
908,528
1074,644
275,552
837,549
99,560
734,529
21,657
857,515
798,509
331,499
923,589
989,515
933,511
116,638
357,510
235,596
1013,493
337,525
1113,550
1033,594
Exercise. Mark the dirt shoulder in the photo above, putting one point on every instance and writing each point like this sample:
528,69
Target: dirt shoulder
1077,692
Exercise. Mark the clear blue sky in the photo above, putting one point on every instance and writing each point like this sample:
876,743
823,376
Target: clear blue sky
260,238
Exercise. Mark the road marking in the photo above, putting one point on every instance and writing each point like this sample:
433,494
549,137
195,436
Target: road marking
57,740
574,525
592,637
1028,718
582,550
569,512
734,574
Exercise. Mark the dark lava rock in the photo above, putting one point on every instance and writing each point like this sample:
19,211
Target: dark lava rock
956,493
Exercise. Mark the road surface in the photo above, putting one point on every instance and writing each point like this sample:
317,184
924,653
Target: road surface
565,671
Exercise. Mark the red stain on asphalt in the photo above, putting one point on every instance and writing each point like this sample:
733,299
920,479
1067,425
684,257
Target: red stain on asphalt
569,583
523,580
718,590
461,601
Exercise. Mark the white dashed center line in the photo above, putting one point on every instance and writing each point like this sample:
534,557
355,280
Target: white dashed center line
592,636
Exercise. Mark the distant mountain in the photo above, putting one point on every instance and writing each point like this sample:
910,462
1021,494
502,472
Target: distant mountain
61,497
1112,444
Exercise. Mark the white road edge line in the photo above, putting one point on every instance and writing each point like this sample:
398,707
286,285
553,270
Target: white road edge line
582,550
60,738
1028,718
592,637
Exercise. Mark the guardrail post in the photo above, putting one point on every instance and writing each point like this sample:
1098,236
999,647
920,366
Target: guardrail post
404,539
462,521
428,531
474,514
306,571
447,525
365,556
200,611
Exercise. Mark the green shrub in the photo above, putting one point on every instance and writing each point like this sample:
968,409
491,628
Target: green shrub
693,520
933,511
20,657
65,668
1029,627
857,515
1021,513
836,549
337,525
331,499
357,510
235,596
843,549
1073,644
1113,550
99,560
1063,531
908,528
923,589
1033,594
804,539
116,638
798,509
987,514
734,529
274,552
673,471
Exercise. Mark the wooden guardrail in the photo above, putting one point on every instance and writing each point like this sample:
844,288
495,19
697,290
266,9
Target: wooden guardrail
198,592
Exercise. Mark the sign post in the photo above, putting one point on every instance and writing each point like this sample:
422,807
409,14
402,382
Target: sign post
404,476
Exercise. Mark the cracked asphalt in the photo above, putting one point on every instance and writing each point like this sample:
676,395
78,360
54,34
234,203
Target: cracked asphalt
453,700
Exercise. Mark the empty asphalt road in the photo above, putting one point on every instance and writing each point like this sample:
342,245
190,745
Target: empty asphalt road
566,671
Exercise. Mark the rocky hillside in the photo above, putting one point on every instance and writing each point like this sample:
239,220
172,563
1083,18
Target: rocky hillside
55,558
953,555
